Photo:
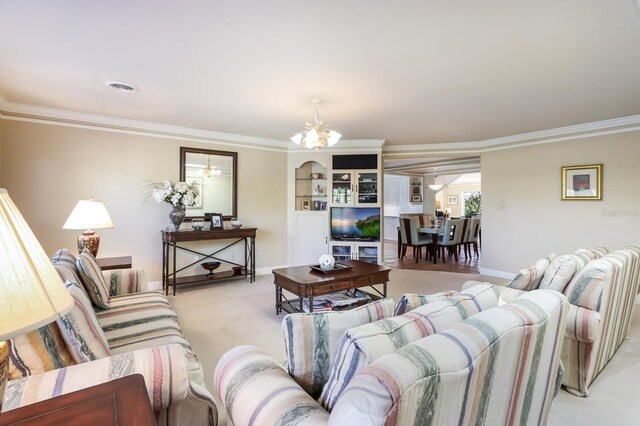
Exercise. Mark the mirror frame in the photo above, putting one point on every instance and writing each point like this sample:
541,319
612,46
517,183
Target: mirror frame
183,157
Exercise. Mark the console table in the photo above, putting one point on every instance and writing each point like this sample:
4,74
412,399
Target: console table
170,246
118,402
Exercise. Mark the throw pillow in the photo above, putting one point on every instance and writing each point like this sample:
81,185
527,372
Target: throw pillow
93,280
81,330
530,278
560,272
311,340
362,345
586,287
410,301
38,351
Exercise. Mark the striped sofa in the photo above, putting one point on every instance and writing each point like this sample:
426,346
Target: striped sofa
496,366
601,293
135,332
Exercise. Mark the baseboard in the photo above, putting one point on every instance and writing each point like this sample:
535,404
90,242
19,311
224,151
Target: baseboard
496,273
267,270
154,285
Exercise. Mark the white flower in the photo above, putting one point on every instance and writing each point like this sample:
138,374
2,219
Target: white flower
188,199
181,187
180,193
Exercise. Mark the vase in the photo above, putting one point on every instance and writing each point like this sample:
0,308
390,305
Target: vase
176,217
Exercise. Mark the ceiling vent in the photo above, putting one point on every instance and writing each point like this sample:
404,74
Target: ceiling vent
121,86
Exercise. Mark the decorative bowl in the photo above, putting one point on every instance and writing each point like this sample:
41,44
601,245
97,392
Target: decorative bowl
210,266
197,223
235,223
237,269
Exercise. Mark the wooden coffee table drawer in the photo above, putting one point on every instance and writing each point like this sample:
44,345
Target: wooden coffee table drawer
373,279
331,288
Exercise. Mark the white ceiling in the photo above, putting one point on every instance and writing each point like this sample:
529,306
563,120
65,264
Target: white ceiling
408,72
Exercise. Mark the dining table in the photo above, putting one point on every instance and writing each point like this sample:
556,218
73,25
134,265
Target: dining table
434,232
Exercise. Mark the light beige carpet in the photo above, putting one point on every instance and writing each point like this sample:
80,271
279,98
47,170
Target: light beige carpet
219,317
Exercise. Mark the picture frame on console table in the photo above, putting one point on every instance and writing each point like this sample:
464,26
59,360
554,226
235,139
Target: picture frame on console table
582,182
216,221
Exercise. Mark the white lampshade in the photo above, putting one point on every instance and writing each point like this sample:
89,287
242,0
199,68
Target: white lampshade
334,137
88,214
31,291
297,138
435,187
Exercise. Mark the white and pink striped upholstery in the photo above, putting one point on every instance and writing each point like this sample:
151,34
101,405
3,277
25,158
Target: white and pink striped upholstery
601,293
133,332
496,367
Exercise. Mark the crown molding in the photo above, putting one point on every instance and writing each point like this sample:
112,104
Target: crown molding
354,145
597,128
52,116
58,117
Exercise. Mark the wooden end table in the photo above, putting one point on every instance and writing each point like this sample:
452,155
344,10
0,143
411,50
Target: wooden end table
121,402
120,262
308,284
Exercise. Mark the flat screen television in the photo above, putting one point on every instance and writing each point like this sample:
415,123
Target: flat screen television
355,223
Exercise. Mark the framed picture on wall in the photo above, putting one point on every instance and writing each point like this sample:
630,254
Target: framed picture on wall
416,198
582,182
452,200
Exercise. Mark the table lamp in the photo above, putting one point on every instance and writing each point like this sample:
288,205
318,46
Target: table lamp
88,214
31,292
438,205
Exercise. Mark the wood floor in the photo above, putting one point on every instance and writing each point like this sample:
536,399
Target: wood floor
464,265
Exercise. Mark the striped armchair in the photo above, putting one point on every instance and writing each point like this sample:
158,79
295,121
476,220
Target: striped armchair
112,331
495,367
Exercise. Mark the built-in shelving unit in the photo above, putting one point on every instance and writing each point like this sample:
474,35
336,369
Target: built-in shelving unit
311,187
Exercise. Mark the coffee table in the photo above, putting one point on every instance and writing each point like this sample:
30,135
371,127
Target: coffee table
306,283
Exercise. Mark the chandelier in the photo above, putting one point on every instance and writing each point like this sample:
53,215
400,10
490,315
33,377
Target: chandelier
316,135
210,171
436,186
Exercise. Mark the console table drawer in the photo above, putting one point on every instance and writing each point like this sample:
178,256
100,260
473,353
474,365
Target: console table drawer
374,279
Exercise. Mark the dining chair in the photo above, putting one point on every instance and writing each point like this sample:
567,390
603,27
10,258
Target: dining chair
471,238
450,237
412,238
466,221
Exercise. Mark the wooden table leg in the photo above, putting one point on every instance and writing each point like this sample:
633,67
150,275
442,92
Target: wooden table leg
434,247
399,244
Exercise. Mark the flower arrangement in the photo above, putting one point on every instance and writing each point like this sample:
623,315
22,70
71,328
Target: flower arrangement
180,194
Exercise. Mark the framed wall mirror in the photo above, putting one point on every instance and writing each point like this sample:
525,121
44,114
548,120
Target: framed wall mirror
216,174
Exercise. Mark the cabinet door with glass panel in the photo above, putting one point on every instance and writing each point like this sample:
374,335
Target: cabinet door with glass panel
346,250
354,188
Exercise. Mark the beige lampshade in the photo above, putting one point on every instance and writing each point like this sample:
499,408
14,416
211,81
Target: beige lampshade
31,291
438,205
88,214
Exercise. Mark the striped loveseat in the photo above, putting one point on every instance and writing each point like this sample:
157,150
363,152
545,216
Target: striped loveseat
496,366
115,329
601,291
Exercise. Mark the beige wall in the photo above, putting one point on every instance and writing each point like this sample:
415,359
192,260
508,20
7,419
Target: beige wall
458,190
48,168
523,217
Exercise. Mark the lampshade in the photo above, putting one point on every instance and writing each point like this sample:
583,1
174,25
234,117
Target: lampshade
438,205
88,214
31,291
